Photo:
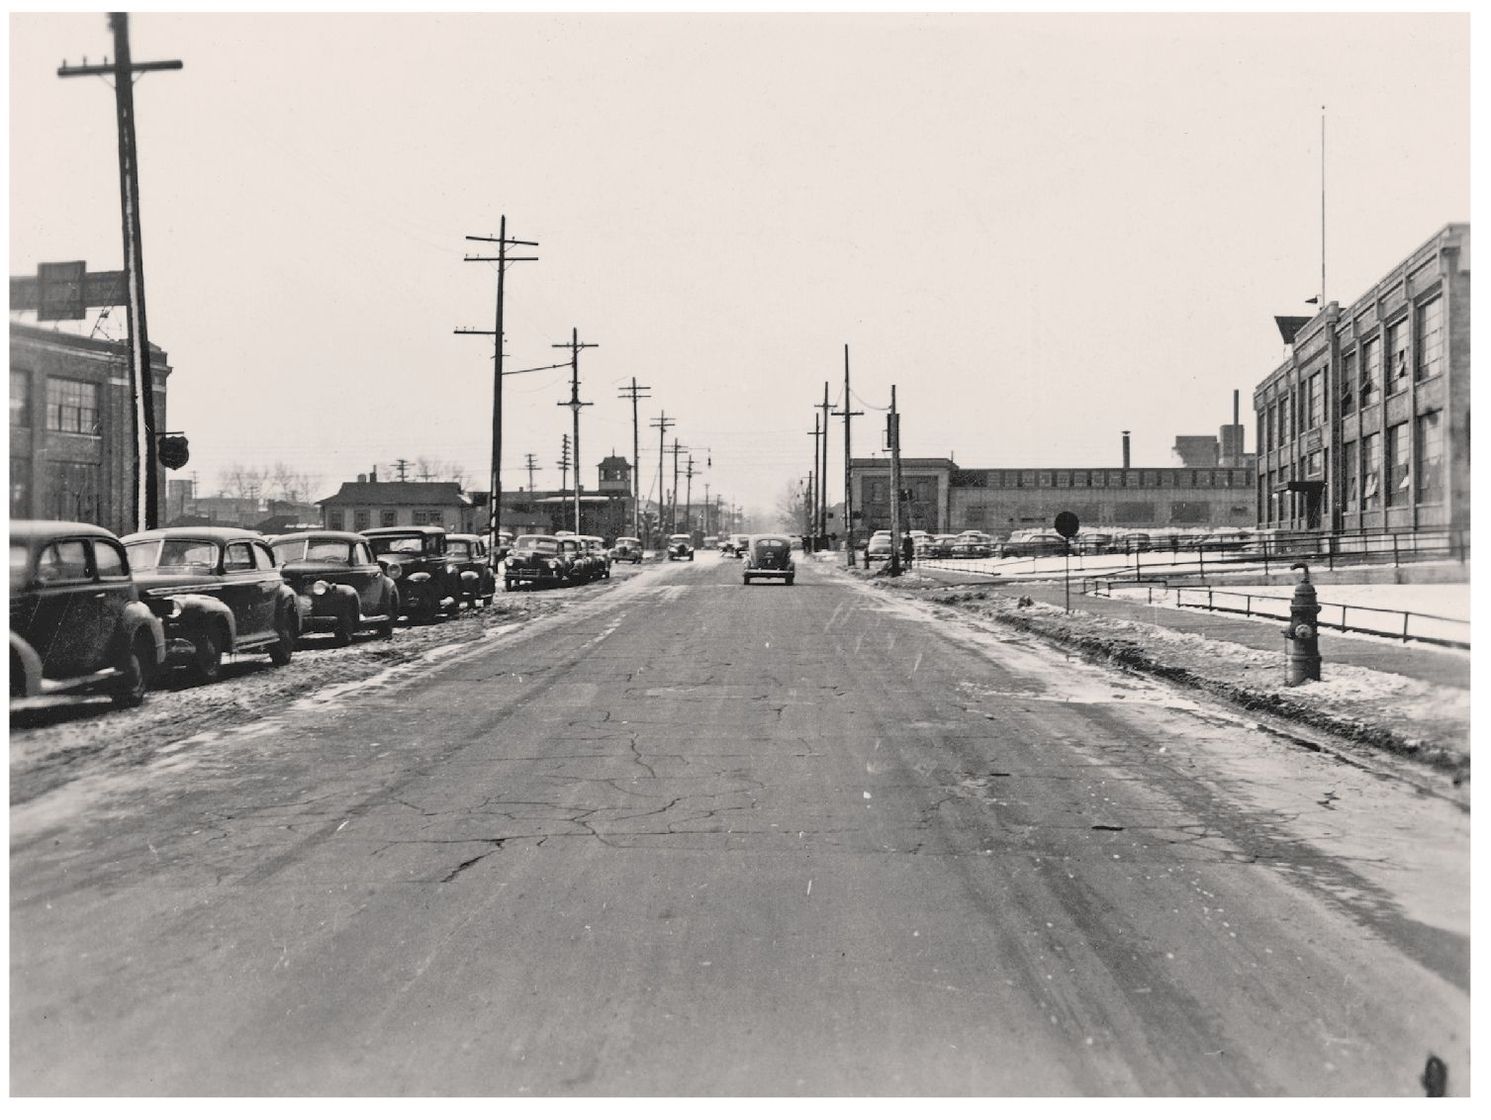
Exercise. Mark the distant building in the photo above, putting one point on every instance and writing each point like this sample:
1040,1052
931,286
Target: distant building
370,504
1198,451
72,444
1366,423
945,498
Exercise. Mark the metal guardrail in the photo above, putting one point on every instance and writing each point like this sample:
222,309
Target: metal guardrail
1254,605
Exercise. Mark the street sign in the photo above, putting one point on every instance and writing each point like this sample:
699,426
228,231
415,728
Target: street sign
1067,524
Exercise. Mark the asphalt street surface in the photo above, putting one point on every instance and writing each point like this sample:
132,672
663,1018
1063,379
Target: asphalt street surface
689,837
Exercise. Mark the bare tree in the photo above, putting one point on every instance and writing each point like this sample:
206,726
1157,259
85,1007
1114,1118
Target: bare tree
792,507
429,469
238,481
292,485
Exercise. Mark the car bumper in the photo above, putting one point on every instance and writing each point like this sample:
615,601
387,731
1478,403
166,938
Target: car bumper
779,573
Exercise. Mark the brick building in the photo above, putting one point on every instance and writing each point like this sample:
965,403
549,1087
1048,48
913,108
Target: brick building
370,504
1366,423
72,447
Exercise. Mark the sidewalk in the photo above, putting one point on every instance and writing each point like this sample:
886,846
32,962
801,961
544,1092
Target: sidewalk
1420,662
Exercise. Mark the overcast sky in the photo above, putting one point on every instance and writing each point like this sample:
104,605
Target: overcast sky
1043,230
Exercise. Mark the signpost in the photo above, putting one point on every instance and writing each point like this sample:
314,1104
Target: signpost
1067,525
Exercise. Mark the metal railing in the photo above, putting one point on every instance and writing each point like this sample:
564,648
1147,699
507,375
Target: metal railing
1416,626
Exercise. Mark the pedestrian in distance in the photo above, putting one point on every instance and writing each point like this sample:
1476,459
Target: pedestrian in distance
908,549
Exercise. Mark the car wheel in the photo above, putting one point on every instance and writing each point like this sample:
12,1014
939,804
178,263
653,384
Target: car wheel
134,676
788,581
346,626
746,579
284,646
207,665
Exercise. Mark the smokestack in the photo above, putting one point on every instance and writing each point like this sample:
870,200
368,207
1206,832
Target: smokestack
373,475
1126,451
1235,394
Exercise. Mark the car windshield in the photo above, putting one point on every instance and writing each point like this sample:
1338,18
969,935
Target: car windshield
315,551
172,556
771,542
546,545
413,544
627,542
679,538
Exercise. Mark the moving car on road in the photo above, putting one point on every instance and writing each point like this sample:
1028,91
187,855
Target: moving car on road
229,593
77,623
428,581
880,546
769,557
338,584
680,547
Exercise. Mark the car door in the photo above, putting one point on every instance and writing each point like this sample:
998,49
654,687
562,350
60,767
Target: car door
366,578
63,602
114,590
241,591
270,580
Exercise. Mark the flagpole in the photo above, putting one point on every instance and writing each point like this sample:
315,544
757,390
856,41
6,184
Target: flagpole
1322,207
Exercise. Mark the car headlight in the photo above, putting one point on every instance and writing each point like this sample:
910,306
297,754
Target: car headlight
553,564
320,587
394,571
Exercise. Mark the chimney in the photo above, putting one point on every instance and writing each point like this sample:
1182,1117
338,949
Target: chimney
1126,451
373,475
1235,416
362,478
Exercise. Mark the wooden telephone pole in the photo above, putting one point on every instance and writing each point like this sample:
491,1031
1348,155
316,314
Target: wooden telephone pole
574,404
146,503
636,393
848,478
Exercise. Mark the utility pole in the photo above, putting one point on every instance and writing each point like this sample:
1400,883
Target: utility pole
895,486
662,424
502,260
532,465
688,499
146,500
848,513
635,393
563,464
706,509
813,488
574,404
673,499
823,474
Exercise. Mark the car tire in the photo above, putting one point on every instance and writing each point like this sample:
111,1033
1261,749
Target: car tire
134,677
788,581
346,626
284,645
746,580
207,663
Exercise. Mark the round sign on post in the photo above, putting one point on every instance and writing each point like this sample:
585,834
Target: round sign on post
1067,525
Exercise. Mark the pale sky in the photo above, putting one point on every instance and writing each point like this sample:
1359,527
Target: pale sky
1043,230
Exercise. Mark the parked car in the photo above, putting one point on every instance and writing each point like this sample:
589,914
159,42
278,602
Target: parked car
1091,541
880,546
230,595
1034,542
504,546
1131,542
738,543
338,583
941,547
77,621
626,550
769,556
920,540
429,582
972,544
794,542
592,561
680,547
540,560
468,552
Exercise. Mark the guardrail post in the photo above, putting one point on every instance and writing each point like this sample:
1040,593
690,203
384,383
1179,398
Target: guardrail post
1331,552
1405,626
1460,537
1395,550
1201,559
1247,606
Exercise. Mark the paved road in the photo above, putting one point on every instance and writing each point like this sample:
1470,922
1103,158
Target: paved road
691,837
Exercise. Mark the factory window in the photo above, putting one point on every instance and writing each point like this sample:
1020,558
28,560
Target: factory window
1397,355
1099,479
20,487
1317,400
1044,479
1430,449
72,406
1312,465
1348,383
360,519
1064,478
1351,468
1371,379
1131,478
388,518
75,491
1371,472
1398,476
20,398
1151,478
1430,362
334,519
1115,478
1027,478
1203,478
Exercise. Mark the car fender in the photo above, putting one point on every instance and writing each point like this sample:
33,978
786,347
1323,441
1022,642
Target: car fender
199,612
28,661
138,616
470,581
287,606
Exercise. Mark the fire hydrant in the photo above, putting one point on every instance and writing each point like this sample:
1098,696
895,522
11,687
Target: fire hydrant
1303,644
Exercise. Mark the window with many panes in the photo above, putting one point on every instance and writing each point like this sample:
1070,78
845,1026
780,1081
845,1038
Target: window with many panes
1350,466
20,398
1428,470
75,491
360,519
1371,380
1348,383
72,406
334,519
1317,400
1430,361
20,486
388,518
1372,472
1397,355
1398,480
